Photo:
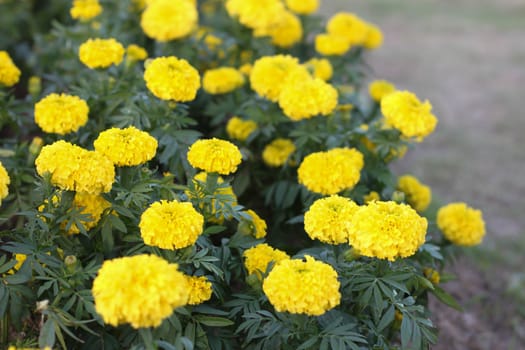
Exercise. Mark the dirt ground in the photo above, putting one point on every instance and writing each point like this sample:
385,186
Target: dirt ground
467,58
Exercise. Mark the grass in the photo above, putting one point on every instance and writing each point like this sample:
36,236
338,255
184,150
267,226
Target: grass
466,57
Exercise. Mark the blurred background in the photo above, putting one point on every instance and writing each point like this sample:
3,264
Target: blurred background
467,57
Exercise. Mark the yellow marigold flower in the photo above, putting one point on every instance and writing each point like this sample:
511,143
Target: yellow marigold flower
200,290
387,230
136,53
432,275
228,191
19,258
417,194
277,152
331,45
215,156
286,33
9,72
374,38
126,147
461,224
404,111
239,129
246,69
320,68
379,89
92,205
269,74
303,287
61,114
165,20
372,196
303,7
101,53
257,225
222,80
73,168
306,98
85,10
256,14
4,182
141,290
171,225
329,219
348,26
256,259
332,171
171,78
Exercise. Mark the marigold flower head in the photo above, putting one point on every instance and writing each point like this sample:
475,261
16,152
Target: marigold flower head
126,147
277,152
215,155
432,275
404,111
246,69
303,7
200,289
461,224
374,38
332,171
85,10
141,290
73,168
256,14
239,129
256,259
92,205
9,72
19,258
222,80
349,26
101,53
387,230
331,44
4,182
270,72
257,226
379,89
303,287
417,194
61,114
171,225
171,78
286,33
320,68
307,98
136,53
165,20
329,219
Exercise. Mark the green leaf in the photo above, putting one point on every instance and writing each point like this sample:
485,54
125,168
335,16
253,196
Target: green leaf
308,344
214,229
446,298
406,331
47,334
213,321
387,319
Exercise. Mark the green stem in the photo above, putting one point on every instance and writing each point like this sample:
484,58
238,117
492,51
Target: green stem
4,330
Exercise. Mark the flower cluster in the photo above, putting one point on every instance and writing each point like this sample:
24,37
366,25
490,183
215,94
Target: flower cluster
214,155
148,289
4,182
171,225
9,72
165,20
332,171
92,205
329,219
73,168
61,114
85,10
256,259
277,152
461,224
126,147
306,287
240,129
171,78
320,68
200,289
417,194
404,111
379,89
387,230
222,80
101,53
257,225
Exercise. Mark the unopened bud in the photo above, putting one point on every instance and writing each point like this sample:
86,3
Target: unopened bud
398,197
34,85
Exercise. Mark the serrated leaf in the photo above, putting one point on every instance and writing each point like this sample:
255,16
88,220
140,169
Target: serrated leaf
47,334
446,298
213,321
